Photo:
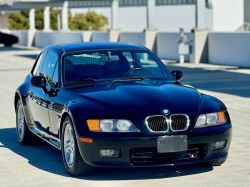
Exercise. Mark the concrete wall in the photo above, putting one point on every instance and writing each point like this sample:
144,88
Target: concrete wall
132,19
229,49
167,47
224,15
133,37
246,11
227,15
209,19
43,39
22,35
199,47
169,18
100,36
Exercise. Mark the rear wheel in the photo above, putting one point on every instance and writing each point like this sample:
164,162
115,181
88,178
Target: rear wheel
24,135
73,162
216,162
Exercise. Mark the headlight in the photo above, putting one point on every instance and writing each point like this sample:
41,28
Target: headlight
206,120
106,125
111,125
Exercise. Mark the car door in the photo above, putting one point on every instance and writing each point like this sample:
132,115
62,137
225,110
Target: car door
55,107
39,101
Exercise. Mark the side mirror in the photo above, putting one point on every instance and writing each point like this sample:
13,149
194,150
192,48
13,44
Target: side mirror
178,75
39,82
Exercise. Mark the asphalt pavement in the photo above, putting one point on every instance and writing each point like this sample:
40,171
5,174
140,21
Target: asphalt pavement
42,165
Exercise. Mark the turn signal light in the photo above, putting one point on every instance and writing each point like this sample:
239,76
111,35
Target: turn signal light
93,125
89,140
221,117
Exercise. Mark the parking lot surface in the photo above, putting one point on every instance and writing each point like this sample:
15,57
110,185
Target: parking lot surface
42,165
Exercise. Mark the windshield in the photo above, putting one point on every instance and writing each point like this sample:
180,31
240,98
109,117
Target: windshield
112,65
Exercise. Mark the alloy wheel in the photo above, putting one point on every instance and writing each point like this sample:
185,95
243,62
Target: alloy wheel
69,145
20,123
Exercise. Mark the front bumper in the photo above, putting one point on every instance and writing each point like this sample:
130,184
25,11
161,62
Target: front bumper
141,151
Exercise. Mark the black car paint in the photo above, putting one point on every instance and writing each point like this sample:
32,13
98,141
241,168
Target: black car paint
132,100
8,39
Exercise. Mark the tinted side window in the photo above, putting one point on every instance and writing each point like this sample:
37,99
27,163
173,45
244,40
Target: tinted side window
55,77
39,64
49,68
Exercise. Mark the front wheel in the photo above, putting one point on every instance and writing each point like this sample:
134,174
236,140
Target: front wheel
73,162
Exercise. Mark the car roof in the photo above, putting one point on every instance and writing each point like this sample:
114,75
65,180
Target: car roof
81,46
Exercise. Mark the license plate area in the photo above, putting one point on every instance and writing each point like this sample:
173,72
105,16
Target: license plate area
169,144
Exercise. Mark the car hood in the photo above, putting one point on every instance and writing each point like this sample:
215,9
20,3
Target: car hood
136,99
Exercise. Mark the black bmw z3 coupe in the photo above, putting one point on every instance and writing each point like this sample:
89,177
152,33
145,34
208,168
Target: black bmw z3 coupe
107,104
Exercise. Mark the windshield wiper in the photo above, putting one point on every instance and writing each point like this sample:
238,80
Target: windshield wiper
86,80
131,78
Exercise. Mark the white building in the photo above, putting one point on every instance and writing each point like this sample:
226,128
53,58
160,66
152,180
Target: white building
171,15
151,23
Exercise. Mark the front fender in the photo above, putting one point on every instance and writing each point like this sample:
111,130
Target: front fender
80,111
210,104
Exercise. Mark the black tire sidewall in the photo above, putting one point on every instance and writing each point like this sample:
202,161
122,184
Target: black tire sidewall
8,43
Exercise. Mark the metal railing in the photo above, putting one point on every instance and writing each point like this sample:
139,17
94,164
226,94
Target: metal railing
244,28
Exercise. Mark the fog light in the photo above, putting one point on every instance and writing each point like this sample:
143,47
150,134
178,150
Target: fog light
219,145
109,152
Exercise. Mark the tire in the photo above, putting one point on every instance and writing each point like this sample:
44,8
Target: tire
216,162
7,43
24,135
72,159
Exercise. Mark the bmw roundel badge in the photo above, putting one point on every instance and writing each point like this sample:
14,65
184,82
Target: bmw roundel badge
165,111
